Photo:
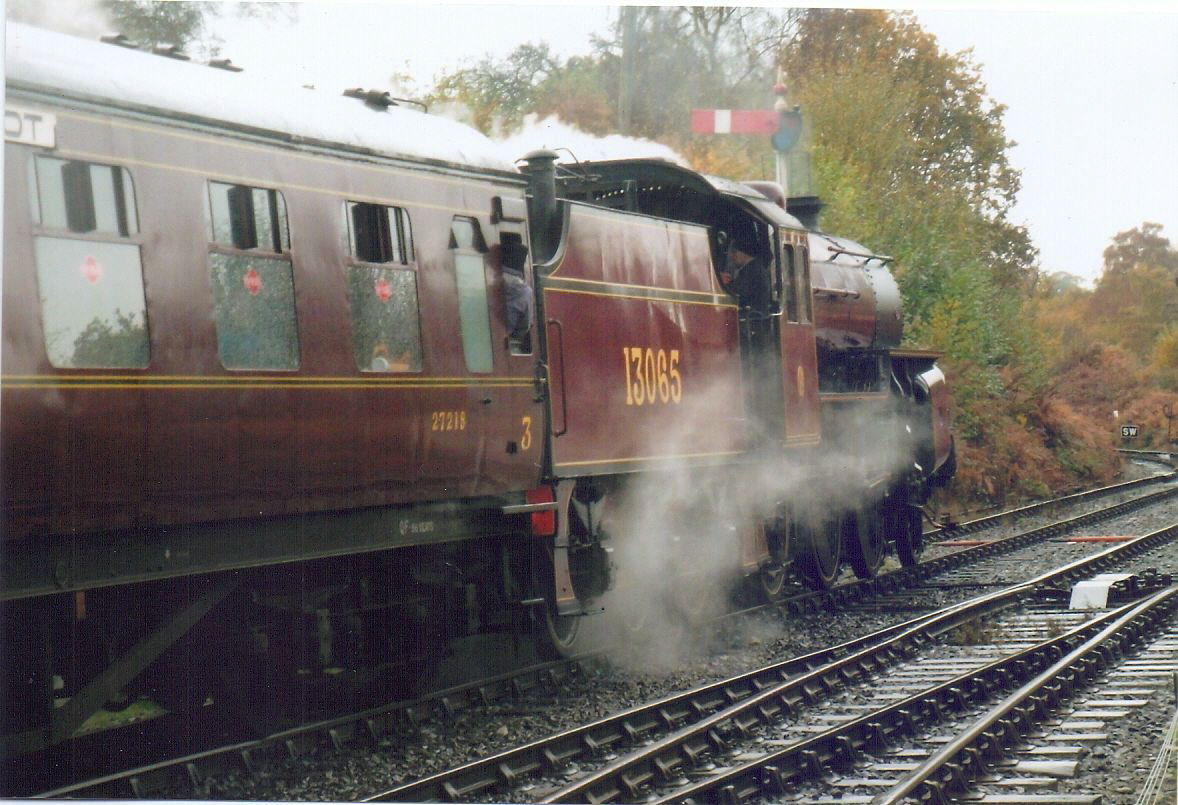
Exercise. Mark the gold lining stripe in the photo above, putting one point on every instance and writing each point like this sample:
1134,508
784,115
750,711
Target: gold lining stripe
647,458
218,386
710,294
803,439
559,265
641,298
176,130
278,379
253,180
148,382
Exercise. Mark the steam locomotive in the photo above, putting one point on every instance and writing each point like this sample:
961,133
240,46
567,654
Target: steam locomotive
281,387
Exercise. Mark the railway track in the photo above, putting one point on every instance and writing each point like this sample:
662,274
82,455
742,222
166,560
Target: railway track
988,720
1169,458
903,579
1038,507
369,728
680,751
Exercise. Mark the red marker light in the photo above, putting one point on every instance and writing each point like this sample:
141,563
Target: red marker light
91,270
252,281
384,290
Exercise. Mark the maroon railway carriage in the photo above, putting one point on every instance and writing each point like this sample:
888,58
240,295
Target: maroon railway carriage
243,329
257,358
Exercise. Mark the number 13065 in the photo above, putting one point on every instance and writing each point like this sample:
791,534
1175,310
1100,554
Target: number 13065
652,376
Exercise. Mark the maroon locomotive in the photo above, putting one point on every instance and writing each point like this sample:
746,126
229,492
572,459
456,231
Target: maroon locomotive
265,357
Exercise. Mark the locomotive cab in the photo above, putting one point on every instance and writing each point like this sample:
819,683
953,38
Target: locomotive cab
774,323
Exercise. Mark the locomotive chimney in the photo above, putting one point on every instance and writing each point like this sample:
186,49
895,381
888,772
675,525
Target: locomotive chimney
541,172
805,209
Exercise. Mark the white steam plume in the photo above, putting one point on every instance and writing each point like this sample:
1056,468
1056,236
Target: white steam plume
552,132
77,17
675,534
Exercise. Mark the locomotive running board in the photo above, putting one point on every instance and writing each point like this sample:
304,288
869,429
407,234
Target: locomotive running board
530,508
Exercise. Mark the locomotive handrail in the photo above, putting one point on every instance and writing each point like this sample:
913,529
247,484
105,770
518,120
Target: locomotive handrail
564,399
836,292
867,256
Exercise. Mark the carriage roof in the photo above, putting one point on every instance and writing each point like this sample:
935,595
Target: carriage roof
71,68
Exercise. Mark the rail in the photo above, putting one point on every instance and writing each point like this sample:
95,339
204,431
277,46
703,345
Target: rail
700,733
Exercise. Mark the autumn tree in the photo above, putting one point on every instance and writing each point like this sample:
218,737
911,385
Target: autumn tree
910,154
151,23
1142,246
148,22
680,58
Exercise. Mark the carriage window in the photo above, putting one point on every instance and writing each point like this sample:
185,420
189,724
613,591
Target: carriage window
467,244
253,301
253,294
379,234
248,217
386,334
85,198
91,289
92,305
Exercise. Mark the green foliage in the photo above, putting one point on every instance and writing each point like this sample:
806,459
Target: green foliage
1136,298
121,343
1141,246
679,58
500,92
152,23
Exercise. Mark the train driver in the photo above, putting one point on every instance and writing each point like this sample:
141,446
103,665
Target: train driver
745,274
517,294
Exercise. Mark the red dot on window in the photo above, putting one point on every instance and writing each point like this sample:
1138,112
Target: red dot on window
91,269
252,281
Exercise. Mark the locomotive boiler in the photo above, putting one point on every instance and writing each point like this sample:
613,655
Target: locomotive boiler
269,399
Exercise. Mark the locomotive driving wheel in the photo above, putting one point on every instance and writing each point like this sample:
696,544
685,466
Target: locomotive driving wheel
820,551
904,521
561,630
771,580
866,542
586,522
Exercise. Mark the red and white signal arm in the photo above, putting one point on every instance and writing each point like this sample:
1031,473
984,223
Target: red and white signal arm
1128,431
733,121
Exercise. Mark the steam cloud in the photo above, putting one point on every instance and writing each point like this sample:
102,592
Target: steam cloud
676,534
553,132
78,17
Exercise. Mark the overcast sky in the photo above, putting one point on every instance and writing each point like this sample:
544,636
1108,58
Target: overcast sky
1091,90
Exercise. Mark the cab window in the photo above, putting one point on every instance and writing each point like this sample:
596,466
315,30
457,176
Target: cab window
789,263
805,293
